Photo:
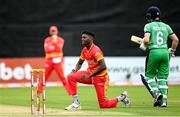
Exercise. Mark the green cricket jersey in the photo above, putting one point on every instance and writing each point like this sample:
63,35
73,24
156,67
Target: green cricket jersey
159,34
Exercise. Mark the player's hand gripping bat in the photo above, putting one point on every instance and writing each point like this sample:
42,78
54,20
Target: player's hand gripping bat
139,41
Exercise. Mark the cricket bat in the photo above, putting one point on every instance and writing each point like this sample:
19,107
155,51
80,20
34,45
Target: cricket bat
147,85
136,39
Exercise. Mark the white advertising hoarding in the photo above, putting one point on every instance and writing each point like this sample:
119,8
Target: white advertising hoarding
122,70
127,70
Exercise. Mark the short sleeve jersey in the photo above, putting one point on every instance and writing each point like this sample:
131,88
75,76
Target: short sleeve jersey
159,33
92,56
51,46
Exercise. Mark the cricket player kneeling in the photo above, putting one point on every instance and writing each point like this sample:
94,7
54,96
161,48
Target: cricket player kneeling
96,74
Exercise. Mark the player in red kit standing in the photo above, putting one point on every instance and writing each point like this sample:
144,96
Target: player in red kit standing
53,47
96,74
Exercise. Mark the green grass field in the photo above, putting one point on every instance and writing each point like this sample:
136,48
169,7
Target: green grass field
16,101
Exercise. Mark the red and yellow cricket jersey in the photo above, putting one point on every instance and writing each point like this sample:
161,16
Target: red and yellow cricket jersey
92,56
53,48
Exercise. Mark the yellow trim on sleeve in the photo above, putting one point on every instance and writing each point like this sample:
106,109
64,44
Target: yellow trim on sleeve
82,58
100,58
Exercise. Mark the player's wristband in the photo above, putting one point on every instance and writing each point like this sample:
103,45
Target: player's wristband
173,50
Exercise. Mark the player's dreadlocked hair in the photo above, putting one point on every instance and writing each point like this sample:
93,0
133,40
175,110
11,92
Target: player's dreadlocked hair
88,33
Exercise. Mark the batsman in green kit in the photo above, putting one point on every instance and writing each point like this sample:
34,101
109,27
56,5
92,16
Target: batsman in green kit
156,34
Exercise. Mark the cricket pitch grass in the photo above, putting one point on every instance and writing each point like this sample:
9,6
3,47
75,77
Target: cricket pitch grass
15,102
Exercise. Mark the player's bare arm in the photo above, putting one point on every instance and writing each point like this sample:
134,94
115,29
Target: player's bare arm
78,65
99,70
174,45
146,38
175,40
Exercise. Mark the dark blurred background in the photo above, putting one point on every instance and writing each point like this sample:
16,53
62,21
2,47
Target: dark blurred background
24,24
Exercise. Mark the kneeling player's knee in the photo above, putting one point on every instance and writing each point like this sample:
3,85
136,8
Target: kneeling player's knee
102,104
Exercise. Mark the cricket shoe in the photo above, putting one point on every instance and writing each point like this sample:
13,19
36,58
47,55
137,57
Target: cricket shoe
124,98
73,106
164,104
157,100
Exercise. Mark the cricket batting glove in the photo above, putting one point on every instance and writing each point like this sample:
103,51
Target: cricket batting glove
171,52
143,46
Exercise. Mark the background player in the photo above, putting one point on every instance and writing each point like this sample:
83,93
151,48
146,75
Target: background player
53,47
156,34
96,74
